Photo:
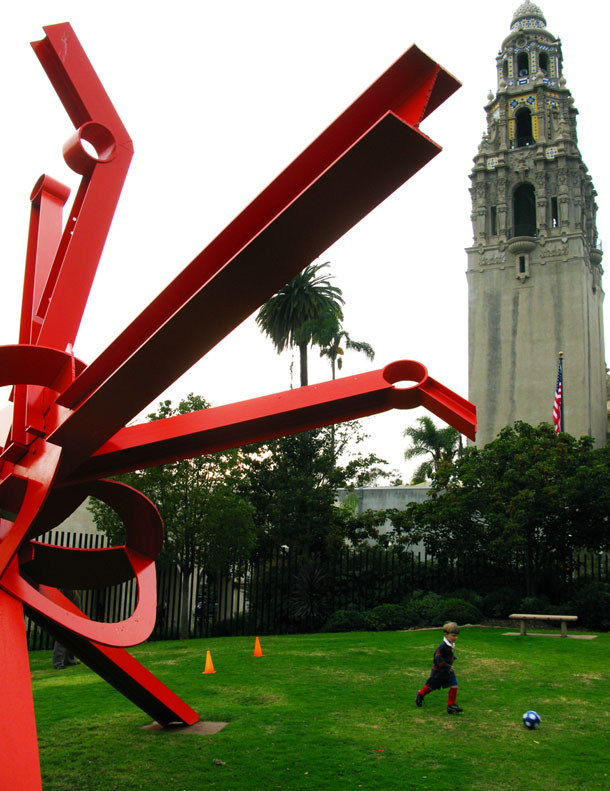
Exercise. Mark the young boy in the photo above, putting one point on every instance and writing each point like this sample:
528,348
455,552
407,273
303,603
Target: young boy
442,674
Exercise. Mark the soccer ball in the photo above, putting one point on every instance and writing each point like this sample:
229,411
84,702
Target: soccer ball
531,720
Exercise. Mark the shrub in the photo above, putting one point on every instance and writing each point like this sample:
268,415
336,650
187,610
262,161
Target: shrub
561,609
386,617
420,606
222,628
535,605
457,610
501,603
345,621
592,605
468,595
308,599
412,613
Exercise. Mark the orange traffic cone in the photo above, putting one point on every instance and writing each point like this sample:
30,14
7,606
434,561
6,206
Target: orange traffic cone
257,648
209,667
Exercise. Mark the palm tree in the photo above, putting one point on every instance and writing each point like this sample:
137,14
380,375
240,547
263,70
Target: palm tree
334,345
328,334
288,317
442,444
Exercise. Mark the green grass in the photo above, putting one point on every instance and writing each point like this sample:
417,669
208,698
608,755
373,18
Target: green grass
336,711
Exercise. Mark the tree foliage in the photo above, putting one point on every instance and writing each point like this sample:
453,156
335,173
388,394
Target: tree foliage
292,483
334,341
206,522
529,491
290,316
440,444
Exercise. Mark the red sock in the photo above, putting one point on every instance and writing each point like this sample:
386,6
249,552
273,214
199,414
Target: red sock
424,690
452,696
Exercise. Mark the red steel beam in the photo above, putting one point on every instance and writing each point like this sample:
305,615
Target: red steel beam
259,419
69,282
130,631
118,668
48,198
20,765
354,165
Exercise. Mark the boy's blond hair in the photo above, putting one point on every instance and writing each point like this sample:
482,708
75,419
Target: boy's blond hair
451,628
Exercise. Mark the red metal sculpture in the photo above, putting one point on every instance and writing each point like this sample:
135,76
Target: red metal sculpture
68,429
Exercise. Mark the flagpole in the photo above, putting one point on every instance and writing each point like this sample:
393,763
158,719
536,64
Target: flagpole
563,393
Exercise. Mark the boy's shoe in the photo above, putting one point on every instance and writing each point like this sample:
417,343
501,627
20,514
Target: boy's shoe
454,709
419,700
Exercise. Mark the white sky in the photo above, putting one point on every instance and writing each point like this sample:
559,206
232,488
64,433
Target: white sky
218,98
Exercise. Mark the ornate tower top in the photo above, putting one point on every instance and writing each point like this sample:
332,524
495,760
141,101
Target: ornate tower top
534,267
535,174
530,53
532,106
528,16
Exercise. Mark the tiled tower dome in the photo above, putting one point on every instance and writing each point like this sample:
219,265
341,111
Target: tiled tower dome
528,16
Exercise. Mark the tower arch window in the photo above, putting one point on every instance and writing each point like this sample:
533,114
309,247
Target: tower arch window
523,118
522,268
543,63
554,212
523,64
505,70
524,210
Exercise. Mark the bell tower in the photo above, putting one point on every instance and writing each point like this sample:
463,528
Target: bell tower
534,268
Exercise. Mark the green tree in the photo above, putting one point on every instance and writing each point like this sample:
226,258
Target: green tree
328,334
358,469
531,491
206,522
365,528
334,341
293,481
440,444
287,318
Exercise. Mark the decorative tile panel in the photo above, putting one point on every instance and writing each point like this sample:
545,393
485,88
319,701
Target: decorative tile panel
529,100
535,127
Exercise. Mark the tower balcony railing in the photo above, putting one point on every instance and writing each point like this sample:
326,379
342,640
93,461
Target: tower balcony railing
522,142
522,229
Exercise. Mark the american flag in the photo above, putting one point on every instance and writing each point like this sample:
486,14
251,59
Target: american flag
558,404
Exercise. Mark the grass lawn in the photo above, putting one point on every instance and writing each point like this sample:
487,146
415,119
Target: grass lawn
337,711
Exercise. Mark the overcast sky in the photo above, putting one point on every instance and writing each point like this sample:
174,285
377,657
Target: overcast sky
218,98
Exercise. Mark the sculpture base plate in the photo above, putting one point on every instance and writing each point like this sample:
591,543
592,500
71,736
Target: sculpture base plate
202,728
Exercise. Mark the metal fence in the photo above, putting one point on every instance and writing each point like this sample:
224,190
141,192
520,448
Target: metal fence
284,592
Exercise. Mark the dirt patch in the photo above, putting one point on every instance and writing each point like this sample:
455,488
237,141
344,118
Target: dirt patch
259,700
447,724
589,678
489,664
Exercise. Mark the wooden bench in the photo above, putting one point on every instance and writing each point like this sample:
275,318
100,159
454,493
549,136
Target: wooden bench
529,617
